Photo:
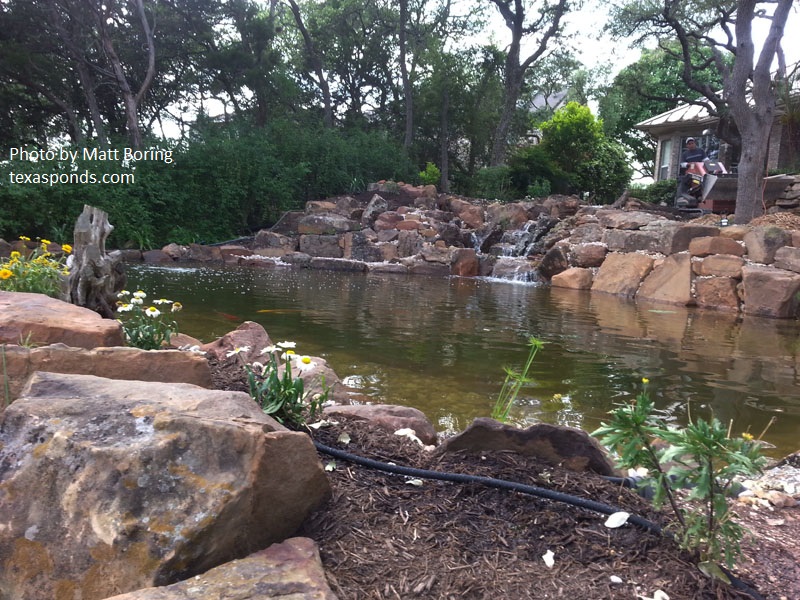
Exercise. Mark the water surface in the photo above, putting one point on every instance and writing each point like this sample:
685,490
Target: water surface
440,344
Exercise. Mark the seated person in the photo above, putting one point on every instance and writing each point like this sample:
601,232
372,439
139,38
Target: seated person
692,153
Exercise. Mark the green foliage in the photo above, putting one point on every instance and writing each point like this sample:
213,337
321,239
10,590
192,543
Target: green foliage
224,182
39,271
658,192
574,157
494,183
513,383
277,392
431,175
146,328
700,458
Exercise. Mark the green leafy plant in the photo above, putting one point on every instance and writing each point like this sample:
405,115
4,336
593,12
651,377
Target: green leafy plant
277,391
431,175
147,328
40,271
513,383
702,459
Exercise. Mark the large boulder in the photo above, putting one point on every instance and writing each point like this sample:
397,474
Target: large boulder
669,282
763,242
110,486
39,319
389,417
168,366
621,274
770,292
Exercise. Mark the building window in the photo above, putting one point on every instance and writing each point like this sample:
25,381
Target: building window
664,160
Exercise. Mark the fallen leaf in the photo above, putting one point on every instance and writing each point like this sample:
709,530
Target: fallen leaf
713,570
615,579
416,482
410,434
331,466
344,438
549,559
618,519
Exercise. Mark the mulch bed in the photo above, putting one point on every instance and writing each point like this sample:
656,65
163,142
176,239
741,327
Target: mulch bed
381,537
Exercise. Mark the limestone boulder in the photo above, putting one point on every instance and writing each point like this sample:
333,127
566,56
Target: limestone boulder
270,243
669,282
619,219
39,319
387,416
573,448
763,242
471,215
359,246
326,224
157,257
517,269
677,236
337,264
720,265
575,278
465,262
377,205
290,569
708,245
621,274
555,261
111,486
201,253
169,366
321,245
624,240
788,258
718,293
507,216
770,292
244,344
587,255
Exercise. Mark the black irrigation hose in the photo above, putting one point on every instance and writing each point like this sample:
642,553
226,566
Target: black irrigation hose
532,490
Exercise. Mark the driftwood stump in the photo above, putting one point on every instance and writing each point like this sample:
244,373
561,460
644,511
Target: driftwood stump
95,277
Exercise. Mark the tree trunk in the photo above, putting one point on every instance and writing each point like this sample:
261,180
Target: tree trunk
752,99
316,63
444,143
408,138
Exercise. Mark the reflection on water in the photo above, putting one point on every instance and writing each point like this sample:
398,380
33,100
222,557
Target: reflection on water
441,344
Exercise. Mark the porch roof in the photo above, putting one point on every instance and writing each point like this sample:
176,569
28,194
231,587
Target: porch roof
683,116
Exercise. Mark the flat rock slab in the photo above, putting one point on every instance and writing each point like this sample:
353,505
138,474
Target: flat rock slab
289,570
39,319
566,446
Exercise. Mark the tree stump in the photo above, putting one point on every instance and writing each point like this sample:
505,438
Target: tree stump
95,277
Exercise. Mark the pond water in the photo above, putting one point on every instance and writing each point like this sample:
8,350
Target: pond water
440,345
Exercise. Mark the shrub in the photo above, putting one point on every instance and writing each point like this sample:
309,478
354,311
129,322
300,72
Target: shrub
495,183
704,460
657,193
431,175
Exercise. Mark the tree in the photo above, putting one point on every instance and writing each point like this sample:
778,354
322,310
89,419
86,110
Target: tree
746,104
575,143
547,27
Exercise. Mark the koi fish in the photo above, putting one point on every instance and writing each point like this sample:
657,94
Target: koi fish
228,316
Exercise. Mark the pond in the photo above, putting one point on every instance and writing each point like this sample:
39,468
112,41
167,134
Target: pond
440,345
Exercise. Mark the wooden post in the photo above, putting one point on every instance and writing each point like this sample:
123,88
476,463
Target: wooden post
95,278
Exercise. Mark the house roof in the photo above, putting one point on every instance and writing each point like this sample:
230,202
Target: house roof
684,116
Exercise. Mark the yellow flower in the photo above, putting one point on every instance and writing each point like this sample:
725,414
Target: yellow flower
747,436
66,248
46,242
6,273
645,380
25,238
15,255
